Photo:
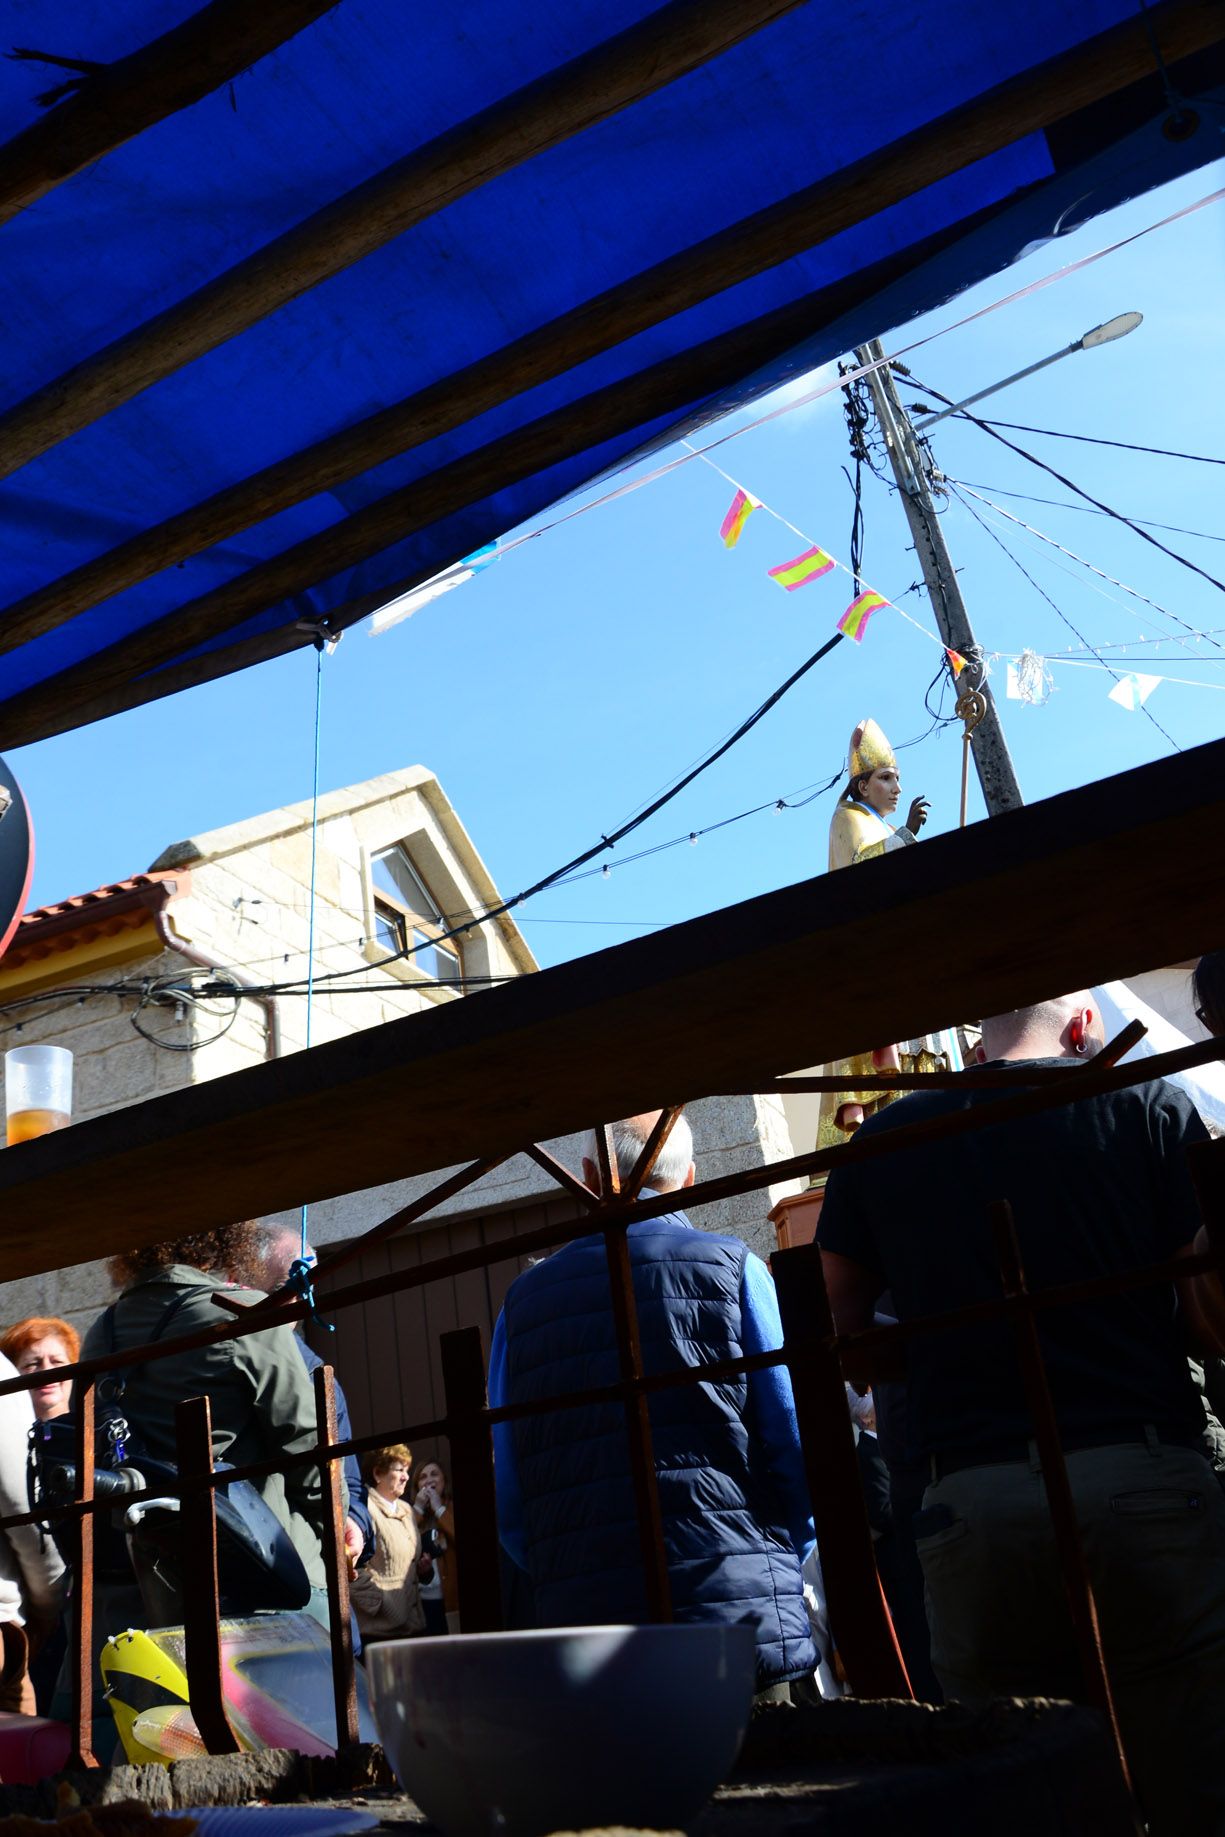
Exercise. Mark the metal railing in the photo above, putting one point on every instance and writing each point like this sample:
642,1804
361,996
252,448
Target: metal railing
813,1352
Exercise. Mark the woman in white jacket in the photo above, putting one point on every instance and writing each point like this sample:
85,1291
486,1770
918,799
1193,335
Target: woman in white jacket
32,1576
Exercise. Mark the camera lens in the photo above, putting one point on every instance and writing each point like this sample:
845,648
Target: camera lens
60,1483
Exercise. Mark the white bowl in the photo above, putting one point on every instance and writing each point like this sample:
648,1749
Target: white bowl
567,1728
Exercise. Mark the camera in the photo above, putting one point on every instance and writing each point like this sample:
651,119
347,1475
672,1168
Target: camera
59,1482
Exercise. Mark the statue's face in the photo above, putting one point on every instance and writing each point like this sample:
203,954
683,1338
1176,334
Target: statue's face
882,790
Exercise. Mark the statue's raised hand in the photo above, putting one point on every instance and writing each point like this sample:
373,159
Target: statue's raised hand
918,815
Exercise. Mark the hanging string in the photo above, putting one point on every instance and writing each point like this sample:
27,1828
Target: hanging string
300,1268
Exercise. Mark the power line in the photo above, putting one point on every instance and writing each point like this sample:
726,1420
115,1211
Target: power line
1070,485
1059,613
1073,556
1089,510
568,870
1127,446
1164,548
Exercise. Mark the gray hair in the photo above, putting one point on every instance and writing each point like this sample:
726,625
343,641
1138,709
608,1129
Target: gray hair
629,1138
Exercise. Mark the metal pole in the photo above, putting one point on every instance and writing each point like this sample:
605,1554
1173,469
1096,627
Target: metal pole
992,759
336,1563
1017,376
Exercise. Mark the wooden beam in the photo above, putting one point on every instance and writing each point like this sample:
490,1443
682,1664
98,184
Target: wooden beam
1101,882
103,681
745,249
120,100
665,46
441,407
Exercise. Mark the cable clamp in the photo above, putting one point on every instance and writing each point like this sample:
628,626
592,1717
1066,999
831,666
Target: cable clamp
302,1282
320,633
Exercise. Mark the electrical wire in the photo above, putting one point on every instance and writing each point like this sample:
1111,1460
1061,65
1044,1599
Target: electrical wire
568,871
1086,510
1073,556
1126,446
1059,613
195,987
1183,561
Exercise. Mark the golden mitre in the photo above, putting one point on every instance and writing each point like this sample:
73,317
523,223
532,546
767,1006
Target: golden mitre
869,750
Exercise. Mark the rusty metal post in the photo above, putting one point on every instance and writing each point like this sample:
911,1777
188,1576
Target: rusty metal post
1076,1580
859,1615
476,1551
606,1161
629,1365
83,1619
638,1425
652,1148
336,1563
193,1434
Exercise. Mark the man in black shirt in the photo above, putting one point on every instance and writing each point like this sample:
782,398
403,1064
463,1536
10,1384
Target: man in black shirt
1097,1186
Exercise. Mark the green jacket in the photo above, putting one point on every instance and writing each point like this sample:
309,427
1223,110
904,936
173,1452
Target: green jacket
263,1405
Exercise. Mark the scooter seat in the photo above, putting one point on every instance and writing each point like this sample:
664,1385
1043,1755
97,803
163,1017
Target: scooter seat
32,1748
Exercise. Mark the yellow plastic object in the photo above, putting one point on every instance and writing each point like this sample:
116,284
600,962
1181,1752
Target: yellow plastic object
276,1683
147,1693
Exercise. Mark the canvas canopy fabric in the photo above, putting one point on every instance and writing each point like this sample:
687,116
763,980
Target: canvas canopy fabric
303,303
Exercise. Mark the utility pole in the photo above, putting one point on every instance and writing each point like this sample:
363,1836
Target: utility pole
992,760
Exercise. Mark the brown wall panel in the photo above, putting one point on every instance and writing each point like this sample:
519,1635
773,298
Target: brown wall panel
386,1353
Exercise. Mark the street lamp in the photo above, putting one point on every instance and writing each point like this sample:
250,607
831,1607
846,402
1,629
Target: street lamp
1118,327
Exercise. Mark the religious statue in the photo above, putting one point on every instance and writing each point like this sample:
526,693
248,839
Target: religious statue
857,832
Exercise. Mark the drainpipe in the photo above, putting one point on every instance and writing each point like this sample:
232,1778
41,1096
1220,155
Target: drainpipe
203,960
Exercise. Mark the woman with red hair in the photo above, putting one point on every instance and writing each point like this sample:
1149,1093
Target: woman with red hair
43,1343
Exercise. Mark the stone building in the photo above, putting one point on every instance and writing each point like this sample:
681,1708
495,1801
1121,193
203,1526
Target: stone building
164,980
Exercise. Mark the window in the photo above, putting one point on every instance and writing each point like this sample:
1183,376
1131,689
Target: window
408,917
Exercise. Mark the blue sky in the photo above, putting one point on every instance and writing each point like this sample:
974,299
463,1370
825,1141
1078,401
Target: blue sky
565,685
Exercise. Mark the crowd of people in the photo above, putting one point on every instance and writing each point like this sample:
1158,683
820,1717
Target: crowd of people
949,1461
950,1467
399,1524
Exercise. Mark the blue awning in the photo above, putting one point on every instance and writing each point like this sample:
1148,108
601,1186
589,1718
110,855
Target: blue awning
318,313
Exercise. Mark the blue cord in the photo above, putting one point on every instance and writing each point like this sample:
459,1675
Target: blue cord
300,1278
304,1283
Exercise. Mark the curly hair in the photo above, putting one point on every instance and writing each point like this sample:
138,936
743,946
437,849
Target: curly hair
23,1334
228,1248
383,1458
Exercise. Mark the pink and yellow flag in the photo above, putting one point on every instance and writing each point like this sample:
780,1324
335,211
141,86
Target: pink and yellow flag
742,507
854,621
957,662
811,565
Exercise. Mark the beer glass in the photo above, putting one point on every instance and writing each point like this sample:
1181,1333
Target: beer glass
37,1091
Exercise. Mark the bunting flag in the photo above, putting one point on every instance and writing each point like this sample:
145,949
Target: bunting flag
1133,690
956,661
408,603
742,507
1013,690
811,565
854,621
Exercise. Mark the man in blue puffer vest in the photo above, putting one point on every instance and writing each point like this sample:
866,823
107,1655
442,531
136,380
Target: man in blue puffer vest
737,1521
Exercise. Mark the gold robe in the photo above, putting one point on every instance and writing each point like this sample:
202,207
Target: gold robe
856,834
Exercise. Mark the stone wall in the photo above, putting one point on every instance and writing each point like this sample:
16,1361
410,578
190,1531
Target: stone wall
248,908
112,1066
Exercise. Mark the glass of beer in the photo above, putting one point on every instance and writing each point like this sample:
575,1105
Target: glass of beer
37,1091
